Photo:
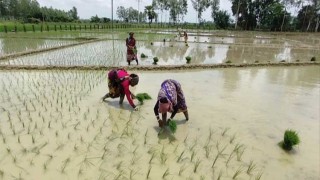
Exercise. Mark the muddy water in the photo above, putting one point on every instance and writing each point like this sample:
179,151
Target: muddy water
111,53
16,45
54,126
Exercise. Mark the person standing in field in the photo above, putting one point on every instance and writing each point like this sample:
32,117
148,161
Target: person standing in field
185,36
170,99
119,81
131,49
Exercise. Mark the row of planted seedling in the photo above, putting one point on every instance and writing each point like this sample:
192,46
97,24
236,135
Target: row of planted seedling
38,109
91,54
50,127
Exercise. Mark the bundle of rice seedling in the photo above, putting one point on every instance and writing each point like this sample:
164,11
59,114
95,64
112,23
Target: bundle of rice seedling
143,96
173,126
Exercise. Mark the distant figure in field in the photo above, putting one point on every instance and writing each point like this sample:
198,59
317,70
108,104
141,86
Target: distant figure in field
170,99
131,49
185,36
119,81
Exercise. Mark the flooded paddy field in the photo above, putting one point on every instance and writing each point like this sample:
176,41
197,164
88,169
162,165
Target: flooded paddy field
203,48
53,125
16,45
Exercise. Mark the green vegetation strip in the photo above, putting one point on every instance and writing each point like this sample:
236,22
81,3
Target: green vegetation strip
158,68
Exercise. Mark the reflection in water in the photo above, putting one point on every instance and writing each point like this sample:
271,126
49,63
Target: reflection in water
113,53
285,54
16,45
231,79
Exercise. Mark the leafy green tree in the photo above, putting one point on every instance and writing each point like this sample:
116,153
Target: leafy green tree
214,7
73,13
200,6
162,5
308,18
150,13
222,19
4,8
133,15
245,13
105,20
95,19
177,9
13,8
273,18
122,13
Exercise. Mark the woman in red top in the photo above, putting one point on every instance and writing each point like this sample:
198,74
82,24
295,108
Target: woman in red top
131,49
118,83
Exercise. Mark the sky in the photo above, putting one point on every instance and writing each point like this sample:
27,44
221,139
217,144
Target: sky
102,8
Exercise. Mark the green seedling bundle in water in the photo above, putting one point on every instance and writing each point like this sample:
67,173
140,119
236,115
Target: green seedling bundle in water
143,96
173,126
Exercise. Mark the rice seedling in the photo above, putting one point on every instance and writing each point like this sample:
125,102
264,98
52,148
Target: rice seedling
210,134
252,166
14,159
135,150
258,177
173,126
220,175
202,177
225,131
75,147
188,59
165,174
163,158
148,173
119,165
240,153
33,139
185,139
1,174
143,96
152,157
229,158
193,154
8,150
45,166
290,139
135,159
31,163
218,154
196,165
3,139
232,139
155,60
182,169
180,156
237,173
132,173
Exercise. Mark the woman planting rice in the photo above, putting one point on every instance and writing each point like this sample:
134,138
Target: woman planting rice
170,99
131,49
118,82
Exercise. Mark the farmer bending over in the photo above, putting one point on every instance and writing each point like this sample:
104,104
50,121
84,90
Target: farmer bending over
170,99
118,82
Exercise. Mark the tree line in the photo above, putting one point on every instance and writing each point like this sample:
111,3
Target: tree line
273,15
30,11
